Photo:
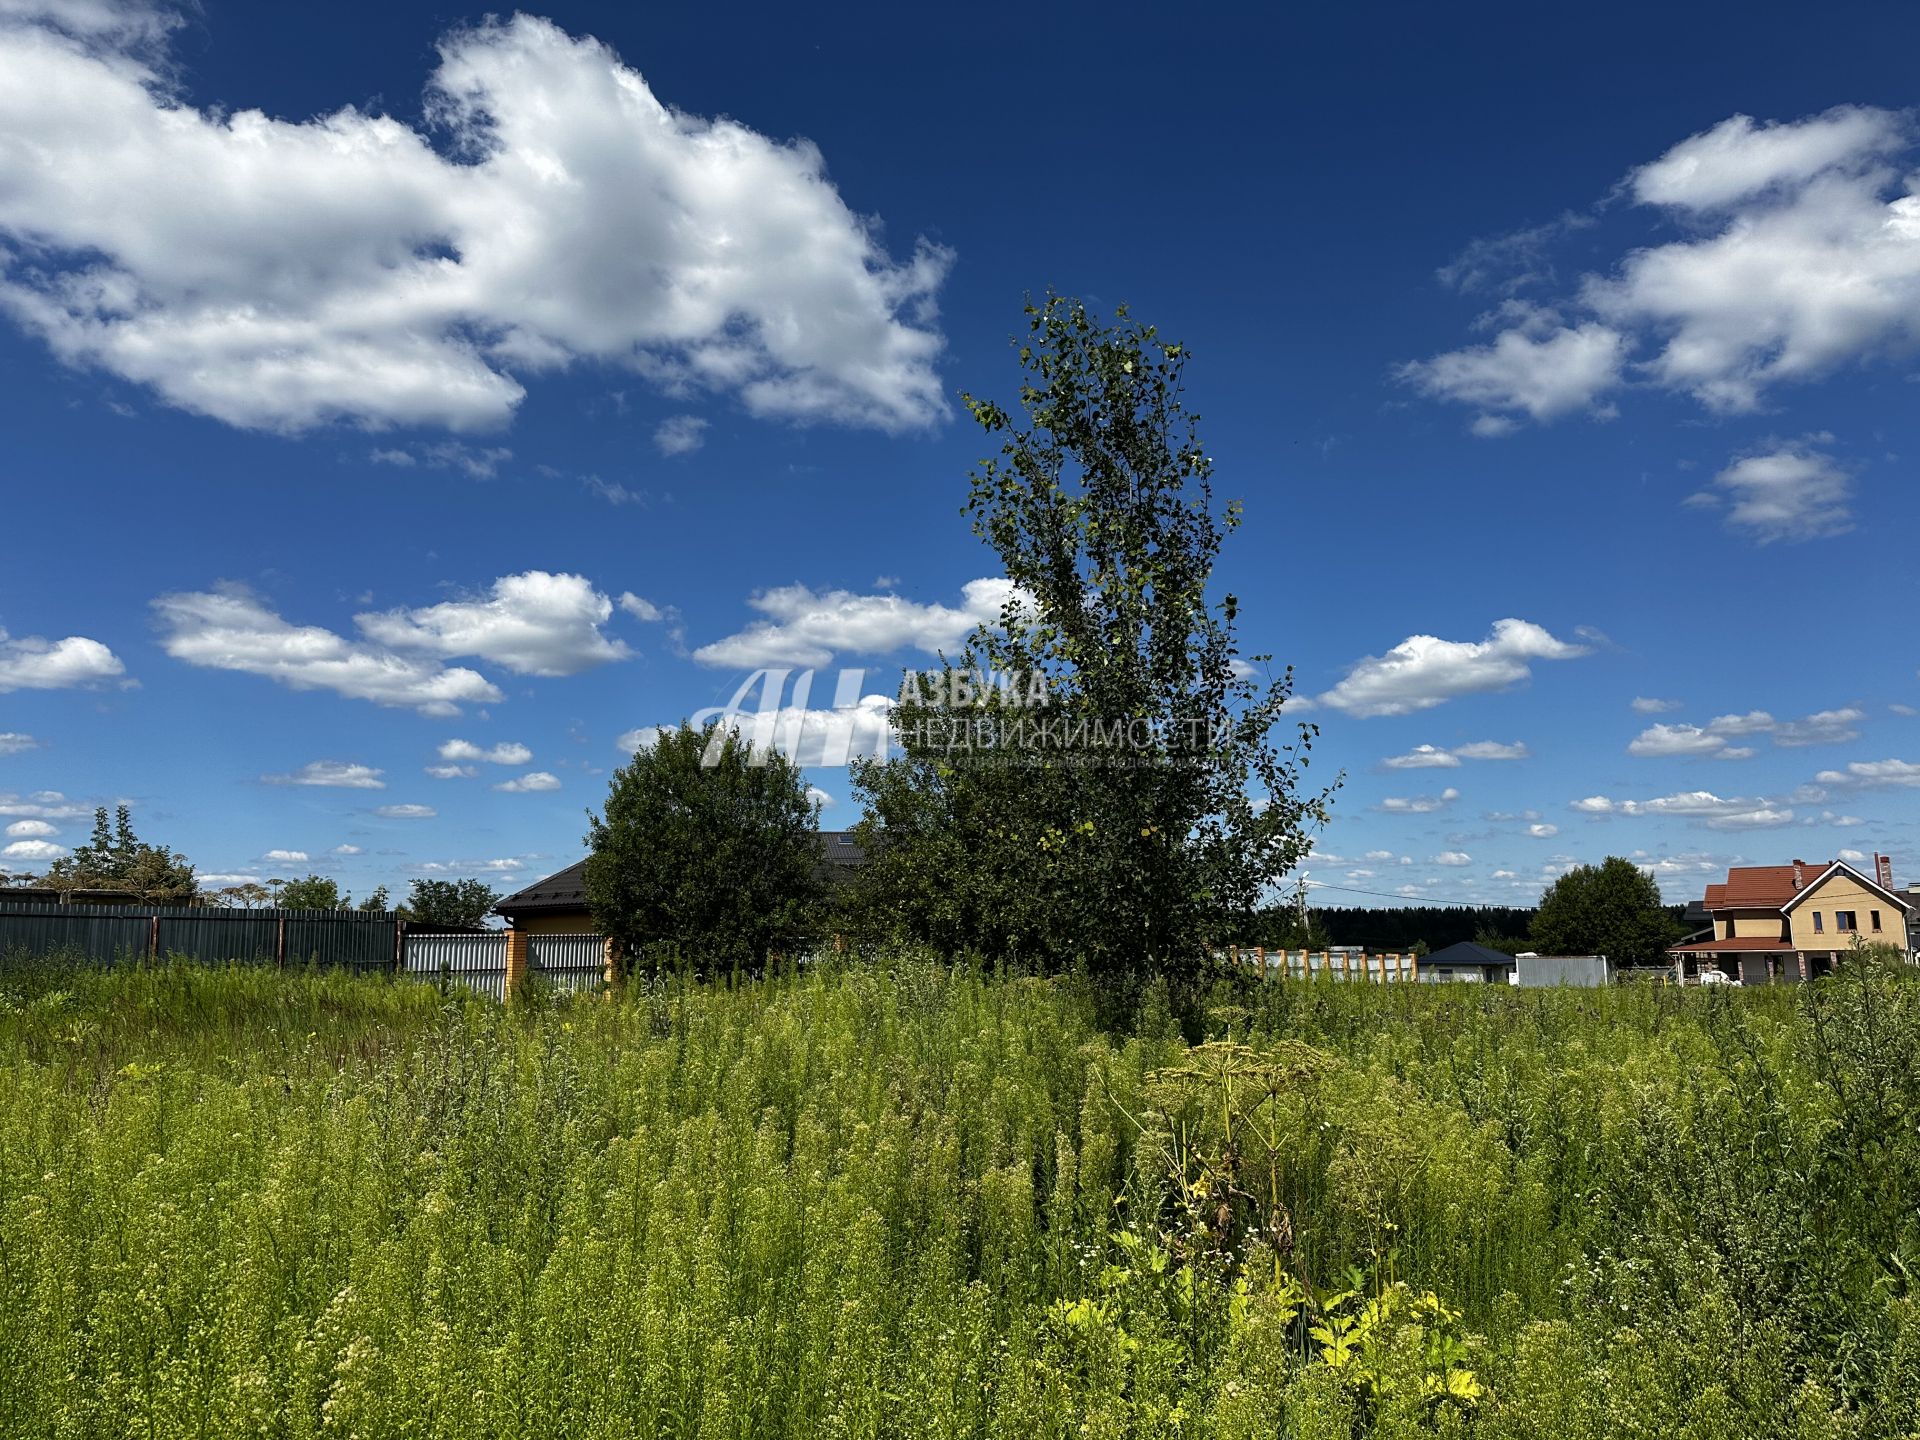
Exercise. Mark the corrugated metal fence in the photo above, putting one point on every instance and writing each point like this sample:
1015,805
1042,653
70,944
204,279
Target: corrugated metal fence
476,961
210,935
370,943
571,962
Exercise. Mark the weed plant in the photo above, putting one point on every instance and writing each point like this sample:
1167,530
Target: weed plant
897,1199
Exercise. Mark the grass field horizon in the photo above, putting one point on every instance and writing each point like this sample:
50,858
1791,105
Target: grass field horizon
897,1198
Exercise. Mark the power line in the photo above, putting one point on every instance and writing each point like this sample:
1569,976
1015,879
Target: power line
1424,899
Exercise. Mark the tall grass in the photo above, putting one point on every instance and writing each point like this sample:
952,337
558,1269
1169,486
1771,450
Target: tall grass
907,1200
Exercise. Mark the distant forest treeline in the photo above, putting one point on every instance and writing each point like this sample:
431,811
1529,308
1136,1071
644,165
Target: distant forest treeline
1402,927
1399,927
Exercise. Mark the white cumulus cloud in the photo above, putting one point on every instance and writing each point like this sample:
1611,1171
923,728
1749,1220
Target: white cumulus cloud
281,273
33,850
1698,806
680,435
1433,757
32,663
531,781
42,805
1798,252
1418,804
1714,739
1423,671
1789,491
331,774
1872,775
507,752
533,624
805,627
1540,368
231,629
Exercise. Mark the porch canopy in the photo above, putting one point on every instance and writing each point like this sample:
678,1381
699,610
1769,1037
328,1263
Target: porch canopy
1739,945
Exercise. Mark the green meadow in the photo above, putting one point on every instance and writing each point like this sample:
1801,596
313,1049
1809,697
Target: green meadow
896,1199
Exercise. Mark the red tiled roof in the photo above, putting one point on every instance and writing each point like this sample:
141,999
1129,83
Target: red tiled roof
1740,942
1763,887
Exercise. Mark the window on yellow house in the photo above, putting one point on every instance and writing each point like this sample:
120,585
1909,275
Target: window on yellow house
1818,924
1843,920
1873,917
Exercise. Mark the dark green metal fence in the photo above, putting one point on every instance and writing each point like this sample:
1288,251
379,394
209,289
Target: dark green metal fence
211,936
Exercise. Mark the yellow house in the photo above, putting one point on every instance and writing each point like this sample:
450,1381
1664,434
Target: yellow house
1792,922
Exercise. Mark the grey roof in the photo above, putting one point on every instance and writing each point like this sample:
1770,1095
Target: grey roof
567,889
840,848
1468,953
563,890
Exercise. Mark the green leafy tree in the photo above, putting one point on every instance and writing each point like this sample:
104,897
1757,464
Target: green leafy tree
379,901
1506,944
315,892
1612,909
450,902
1145,819
719,860
116,859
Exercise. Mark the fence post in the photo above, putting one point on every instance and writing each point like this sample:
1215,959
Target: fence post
516,975
399,947
1346,965
1260,959
280,944
612,976
153,938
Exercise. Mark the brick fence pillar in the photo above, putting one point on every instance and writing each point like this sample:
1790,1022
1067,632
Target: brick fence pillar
612,975
516,963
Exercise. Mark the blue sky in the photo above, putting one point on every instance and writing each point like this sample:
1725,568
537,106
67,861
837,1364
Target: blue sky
389,392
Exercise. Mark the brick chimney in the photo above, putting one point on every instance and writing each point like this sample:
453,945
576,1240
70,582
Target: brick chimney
1799,875
1883,870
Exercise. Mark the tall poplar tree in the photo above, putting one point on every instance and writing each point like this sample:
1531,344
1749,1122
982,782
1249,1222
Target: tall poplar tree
1143,812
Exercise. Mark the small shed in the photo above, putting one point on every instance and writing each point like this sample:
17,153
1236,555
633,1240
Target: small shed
1546,971
1469,962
